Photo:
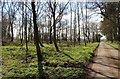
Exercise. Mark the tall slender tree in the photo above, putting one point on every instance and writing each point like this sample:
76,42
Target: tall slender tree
78,20
26,41
83,24
36,40
53,9
74,27
71,22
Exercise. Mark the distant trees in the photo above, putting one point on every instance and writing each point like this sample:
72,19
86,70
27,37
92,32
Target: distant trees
11,14
53,9
94,31
75,25
4,27
9,11
83,23
110,24
22,26
51,26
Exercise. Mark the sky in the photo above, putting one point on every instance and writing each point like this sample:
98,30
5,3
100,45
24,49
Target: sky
94,18
61,0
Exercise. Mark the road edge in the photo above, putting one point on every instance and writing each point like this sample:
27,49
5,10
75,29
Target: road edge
93,55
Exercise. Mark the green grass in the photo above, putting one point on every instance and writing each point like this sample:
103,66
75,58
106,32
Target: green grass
63,64
114,44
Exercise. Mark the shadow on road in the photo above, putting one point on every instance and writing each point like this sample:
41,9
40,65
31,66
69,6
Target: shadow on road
104,64
88,70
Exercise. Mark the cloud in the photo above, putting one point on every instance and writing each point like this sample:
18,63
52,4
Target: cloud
68,16
94,16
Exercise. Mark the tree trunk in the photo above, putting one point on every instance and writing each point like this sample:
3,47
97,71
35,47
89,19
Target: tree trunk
54,28
50,34
40,43
2,29
93,36
42,34
29,29
50,30
86,28
22,23
75,27
36,41
12,32
71,23
26,41
66,34
78,23
119,21
88,34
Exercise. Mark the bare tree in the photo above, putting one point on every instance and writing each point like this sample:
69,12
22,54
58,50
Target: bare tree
53,8
30,35
86,24
11,12
22,26
26,41
50,26
74,27
3,32
78,16
36,40
71,22
82,23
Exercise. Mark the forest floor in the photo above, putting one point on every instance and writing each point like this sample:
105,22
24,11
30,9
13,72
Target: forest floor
65,64
105,64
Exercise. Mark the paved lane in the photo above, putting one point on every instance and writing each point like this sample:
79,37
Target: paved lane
106,63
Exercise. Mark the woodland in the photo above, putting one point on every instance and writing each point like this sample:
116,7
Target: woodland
53,39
